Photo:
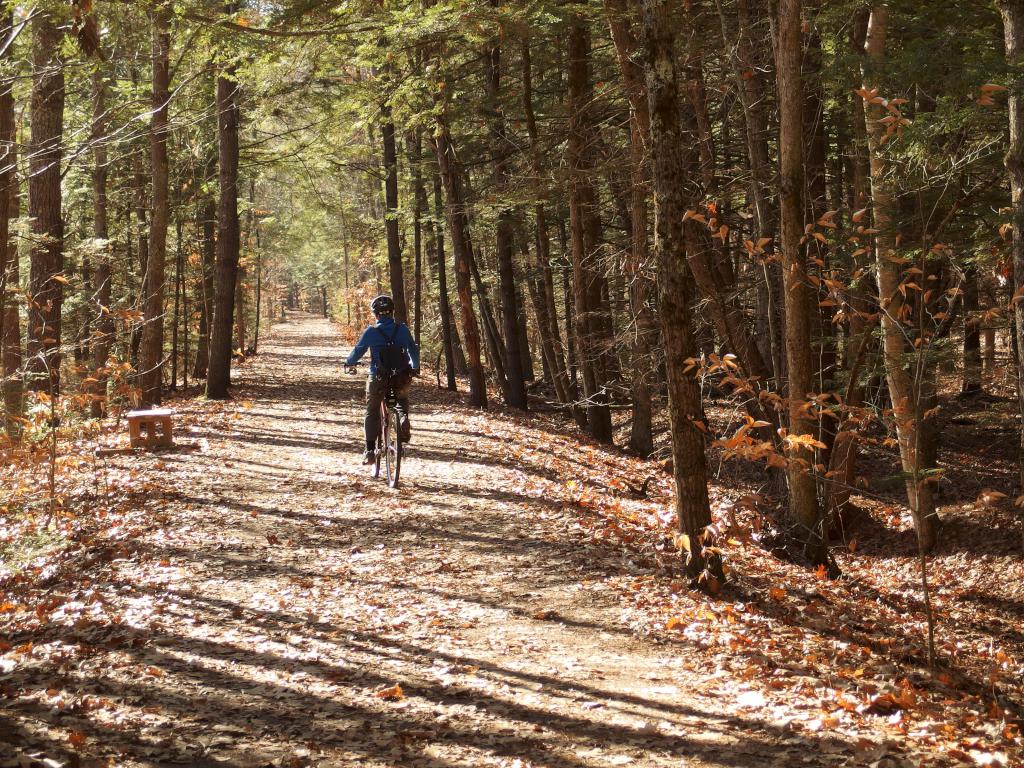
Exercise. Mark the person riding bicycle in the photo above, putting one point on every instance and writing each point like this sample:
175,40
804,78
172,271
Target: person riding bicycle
394,360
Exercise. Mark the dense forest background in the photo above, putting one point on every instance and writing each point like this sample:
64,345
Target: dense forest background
813,209
777,245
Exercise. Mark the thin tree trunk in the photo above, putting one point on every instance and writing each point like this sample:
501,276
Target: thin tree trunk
206,222
414,144
803,498
972,334
448,332
46,289
547,315
675,189
641,440
151,360
395,268
492,336
843,460
10,321
219,374
585,225
458,226
254,238
504,233
102,274
906,397
346,261
1013,36
240,331
176,322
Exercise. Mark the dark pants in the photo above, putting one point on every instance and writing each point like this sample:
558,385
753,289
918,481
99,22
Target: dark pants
375,392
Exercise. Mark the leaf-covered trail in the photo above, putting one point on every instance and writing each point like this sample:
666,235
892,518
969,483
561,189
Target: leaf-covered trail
282,607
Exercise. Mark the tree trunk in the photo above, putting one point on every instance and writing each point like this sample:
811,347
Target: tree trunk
1013,35
240,331
219,374
675,189
444,307
585,225
176,317
641,440
972,333
907,399
10,321
46,289
395,268
860,340
505,235
206,221
105,328
803,498
414,144
492,336
153,283
545,309
458,225
751,90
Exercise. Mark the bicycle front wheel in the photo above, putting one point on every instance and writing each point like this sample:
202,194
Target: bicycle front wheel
393,444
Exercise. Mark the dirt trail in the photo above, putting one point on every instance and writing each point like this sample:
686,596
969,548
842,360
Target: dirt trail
282,594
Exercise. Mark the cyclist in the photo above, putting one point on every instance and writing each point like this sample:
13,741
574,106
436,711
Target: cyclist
393,355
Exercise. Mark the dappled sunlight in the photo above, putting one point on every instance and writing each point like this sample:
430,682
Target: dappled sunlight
502,603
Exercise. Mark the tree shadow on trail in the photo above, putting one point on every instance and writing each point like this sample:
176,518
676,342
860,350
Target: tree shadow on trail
274,691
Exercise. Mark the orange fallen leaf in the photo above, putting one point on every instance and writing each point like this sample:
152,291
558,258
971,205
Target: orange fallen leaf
394,693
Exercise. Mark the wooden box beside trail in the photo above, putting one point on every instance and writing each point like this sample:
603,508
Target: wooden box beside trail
150,429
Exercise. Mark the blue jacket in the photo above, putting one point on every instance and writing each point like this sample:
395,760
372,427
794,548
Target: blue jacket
375,338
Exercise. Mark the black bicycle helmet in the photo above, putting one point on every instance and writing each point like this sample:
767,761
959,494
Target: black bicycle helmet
383,305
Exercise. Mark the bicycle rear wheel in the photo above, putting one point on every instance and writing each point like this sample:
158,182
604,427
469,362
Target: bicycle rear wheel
393,444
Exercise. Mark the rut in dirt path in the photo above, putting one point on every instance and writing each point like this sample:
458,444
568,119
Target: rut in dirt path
294,611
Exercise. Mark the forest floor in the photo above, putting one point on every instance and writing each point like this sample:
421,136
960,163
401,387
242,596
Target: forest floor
255,598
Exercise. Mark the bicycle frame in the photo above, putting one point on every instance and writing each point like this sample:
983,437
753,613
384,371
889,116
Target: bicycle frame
388,447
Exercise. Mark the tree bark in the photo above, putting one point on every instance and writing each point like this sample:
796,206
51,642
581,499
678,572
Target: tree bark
206,221
972,334
641,440
458,225
151,356
10,321
859,338
1013,36
504,232
414,144
105,327
448,332
904,386
46,289
219,375
396,272
585,225
803,498
545,309
751,89
675,189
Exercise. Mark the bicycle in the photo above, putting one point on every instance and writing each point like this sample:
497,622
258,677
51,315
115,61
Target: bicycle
389,440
